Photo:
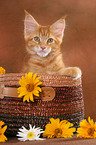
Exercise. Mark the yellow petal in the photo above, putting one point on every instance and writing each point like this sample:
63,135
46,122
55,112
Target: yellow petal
36,81
67,125
30,75
95,125
68,132
91,121
23,78
4,129
3,138
55,122
84,123
94,134
38,89
37,84
1,123
2,70
49,130
22,91
63,121
38,78
49,127
36,94
34,77
83,132
26,77
31,97
23,82
26,98
22,94
48,135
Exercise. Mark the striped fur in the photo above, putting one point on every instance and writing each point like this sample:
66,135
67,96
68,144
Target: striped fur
45,56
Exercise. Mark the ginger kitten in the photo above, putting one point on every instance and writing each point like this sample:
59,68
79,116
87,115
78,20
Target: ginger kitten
43,45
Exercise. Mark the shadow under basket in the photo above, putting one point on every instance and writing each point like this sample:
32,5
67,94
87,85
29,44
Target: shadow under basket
61,97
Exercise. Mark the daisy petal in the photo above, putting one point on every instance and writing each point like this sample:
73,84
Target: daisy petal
31,134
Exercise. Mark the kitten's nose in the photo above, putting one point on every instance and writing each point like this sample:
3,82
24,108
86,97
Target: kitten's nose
43,47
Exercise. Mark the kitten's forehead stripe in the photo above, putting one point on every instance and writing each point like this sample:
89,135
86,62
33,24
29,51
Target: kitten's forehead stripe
44,31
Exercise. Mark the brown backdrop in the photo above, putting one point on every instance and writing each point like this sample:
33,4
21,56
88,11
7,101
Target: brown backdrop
78,47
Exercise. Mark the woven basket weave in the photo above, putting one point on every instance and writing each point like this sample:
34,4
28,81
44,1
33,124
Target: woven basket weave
67,104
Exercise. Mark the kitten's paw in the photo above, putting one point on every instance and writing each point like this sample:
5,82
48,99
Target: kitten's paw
74,72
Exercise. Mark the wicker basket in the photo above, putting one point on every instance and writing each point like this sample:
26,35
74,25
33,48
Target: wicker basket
66,102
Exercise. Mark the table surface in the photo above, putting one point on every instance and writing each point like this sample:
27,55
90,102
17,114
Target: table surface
56,141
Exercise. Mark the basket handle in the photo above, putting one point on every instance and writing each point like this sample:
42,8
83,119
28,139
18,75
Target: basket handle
47,94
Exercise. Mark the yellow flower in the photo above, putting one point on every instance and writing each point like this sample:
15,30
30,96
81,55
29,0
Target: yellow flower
2,70
58,129
29,86
87,129
3,138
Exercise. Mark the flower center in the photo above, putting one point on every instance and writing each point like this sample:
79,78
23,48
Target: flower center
29,87
58,132
91,131
30,135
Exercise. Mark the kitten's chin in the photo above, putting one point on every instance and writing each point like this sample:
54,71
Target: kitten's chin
42,54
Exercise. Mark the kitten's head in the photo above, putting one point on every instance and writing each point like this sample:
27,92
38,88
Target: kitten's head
42,40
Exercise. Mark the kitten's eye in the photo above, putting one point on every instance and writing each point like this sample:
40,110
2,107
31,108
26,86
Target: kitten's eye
37,39
50,40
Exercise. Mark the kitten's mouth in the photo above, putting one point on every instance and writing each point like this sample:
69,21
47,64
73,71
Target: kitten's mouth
42,53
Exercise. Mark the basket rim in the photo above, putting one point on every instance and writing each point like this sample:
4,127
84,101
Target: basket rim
54,80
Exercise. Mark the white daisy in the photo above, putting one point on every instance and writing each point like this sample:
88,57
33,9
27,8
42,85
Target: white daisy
31,134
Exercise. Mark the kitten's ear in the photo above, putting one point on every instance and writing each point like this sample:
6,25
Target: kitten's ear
30,24
58,28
